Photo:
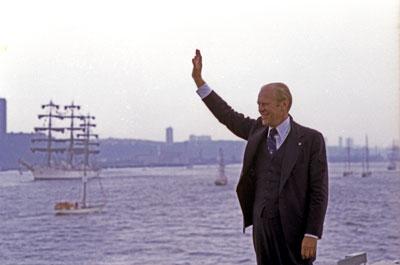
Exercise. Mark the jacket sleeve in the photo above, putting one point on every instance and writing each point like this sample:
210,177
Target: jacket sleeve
318,187
236,122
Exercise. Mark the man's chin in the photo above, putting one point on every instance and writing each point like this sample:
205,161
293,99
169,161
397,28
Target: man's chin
264,122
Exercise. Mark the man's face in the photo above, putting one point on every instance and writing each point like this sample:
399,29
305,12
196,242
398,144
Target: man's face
272,112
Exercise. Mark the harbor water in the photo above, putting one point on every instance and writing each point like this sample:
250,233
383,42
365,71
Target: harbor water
177,215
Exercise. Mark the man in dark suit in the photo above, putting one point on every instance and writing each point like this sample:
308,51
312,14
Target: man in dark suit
283,186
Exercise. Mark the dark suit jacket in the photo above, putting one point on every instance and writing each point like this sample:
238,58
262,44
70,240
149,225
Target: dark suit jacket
303,191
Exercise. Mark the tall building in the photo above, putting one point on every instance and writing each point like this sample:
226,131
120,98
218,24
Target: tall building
340,141
3,117
169,135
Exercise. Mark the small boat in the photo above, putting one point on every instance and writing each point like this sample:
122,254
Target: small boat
391,167
74,208
347,173
360,258
68,208
82,207
221,178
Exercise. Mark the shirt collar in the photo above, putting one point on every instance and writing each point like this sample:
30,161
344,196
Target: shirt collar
282,128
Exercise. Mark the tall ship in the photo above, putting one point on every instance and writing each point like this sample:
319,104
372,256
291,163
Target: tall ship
65,144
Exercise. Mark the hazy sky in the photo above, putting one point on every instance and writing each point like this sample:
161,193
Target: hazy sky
129,63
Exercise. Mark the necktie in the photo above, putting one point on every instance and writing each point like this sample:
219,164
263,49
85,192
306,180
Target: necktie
271,141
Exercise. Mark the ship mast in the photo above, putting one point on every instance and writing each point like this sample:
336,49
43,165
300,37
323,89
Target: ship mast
366,153
366,172
347,169
221,179
71,150
221,163
85,140
49,129
398,69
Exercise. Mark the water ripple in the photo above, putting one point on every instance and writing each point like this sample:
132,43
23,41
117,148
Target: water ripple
178,216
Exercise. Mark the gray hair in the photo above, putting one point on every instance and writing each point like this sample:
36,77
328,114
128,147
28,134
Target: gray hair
281,92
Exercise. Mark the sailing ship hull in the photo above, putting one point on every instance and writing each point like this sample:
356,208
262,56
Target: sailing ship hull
45,173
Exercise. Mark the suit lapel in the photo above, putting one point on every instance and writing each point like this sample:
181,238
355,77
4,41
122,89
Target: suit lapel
252,146
291,153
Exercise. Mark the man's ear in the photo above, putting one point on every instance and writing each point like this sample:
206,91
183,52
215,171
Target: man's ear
285,105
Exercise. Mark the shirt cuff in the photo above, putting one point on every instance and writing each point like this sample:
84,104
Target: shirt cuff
204,91
309,235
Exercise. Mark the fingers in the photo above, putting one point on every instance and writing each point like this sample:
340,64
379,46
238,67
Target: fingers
197,61
198,54
307,253
197,57
308,248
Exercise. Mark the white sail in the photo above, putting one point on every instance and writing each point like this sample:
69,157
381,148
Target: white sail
221,178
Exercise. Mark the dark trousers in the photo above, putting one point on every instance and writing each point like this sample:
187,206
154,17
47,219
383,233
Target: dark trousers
269,243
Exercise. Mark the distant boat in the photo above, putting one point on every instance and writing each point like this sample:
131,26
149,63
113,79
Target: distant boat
82,207
347,168
63,156
366,172
221,178
393,156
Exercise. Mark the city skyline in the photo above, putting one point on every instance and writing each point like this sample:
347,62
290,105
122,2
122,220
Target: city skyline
342,141
130,64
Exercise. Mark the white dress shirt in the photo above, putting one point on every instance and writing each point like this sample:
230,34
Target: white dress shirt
283,130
